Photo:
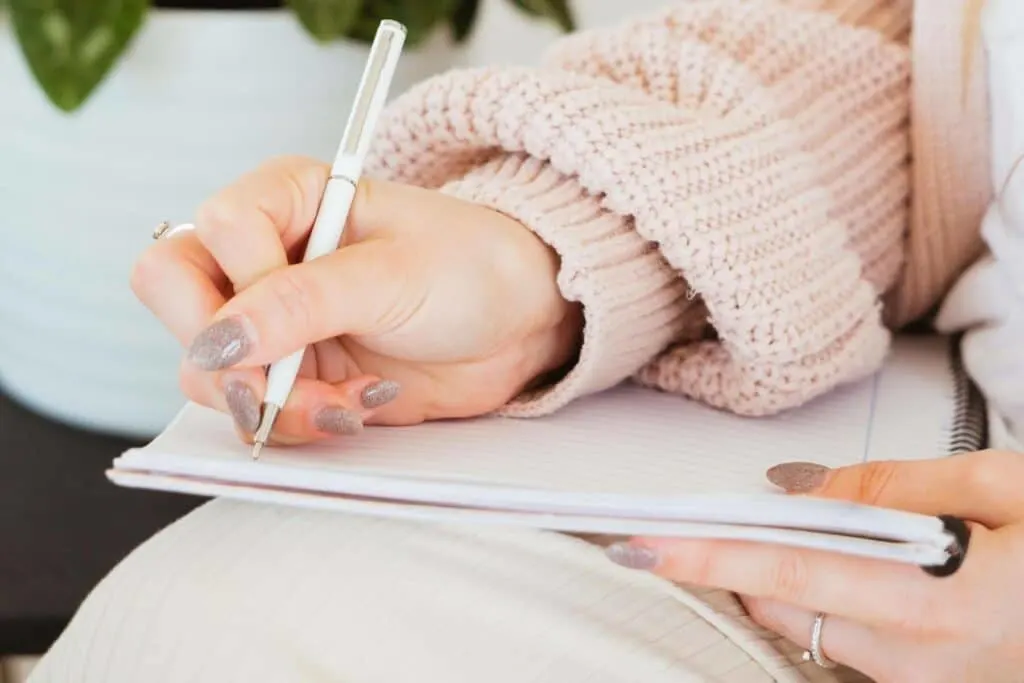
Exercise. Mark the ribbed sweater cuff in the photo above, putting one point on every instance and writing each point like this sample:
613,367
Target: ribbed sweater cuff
761,148
634,303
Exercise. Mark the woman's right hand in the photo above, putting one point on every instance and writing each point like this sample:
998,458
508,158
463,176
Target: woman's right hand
452,303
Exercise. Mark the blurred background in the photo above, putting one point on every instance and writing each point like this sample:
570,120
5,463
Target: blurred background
116,115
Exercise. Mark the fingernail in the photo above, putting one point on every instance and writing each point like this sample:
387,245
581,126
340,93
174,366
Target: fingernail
797,477
335,420
631,556
244,405
221,345
379,393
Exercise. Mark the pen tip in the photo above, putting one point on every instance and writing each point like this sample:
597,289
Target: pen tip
262,434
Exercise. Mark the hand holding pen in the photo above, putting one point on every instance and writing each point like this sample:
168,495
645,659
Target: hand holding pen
428,307
336,202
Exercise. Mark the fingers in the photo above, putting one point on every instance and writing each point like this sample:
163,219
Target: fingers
249,226
180,283
870,651
241,233
354,291
254,225
983,487
359,290
901,597
315,409
245,232
249,230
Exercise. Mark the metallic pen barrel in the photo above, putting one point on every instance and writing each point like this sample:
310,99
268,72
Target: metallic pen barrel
270,411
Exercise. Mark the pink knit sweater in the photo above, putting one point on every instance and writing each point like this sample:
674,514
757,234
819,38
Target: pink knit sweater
726,183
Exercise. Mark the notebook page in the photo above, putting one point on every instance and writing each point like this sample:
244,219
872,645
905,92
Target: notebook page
629,441
921,541
913,402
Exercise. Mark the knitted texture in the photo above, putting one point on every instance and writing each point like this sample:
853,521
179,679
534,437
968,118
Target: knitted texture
636,304
726,183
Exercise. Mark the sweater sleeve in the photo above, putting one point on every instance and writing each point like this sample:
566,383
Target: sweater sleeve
725,183
635,304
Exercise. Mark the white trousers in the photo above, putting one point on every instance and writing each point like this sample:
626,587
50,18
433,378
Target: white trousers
243,592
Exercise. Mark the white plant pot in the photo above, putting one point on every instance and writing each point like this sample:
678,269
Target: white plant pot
201,98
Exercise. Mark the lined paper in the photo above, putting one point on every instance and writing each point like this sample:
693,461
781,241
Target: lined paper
626,461
629,440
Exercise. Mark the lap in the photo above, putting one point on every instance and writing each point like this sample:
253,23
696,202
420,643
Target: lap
241,592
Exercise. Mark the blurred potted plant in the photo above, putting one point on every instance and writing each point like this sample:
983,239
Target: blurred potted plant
71,46
118,114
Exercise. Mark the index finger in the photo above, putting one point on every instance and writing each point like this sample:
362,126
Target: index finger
251,226
244,230
180,283
983,486
897,596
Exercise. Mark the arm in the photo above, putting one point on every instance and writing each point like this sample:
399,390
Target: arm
758,151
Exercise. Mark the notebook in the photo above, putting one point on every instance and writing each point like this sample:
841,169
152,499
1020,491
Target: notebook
628,461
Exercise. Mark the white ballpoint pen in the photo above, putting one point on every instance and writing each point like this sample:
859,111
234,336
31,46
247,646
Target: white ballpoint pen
336,202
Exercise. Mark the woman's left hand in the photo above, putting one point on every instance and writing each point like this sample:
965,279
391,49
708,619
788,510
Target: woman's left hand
893,623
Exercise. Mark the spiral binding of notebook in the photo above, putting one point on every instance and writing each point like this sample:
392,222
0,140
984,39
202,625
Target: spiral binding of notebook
969,430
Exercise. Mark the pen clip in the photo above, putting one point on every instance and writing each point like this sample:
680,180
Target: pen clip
369,100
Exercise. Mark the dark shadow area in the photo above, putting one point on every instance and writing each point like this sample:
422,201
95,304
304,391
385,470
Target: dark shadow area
63,525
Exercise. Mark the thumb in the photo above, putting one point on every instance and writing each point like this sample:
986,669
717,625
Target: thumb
983,486
356,290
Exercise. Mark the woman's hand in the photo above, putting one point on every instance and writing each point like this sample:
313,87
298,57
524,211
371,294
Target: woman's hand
894,623
451,302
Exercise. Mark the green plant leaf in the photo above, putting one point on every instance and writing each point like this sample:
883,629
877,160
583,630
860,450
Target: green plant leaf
71,45
461,20
556,10
327,20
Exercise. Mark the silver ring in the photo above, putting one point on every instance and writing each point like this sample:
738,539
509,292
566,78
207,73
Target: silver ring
165,229
815,654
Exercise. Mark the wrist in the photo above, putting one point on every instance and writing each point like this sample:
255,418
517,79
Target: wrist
567,256
555,333
561,348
